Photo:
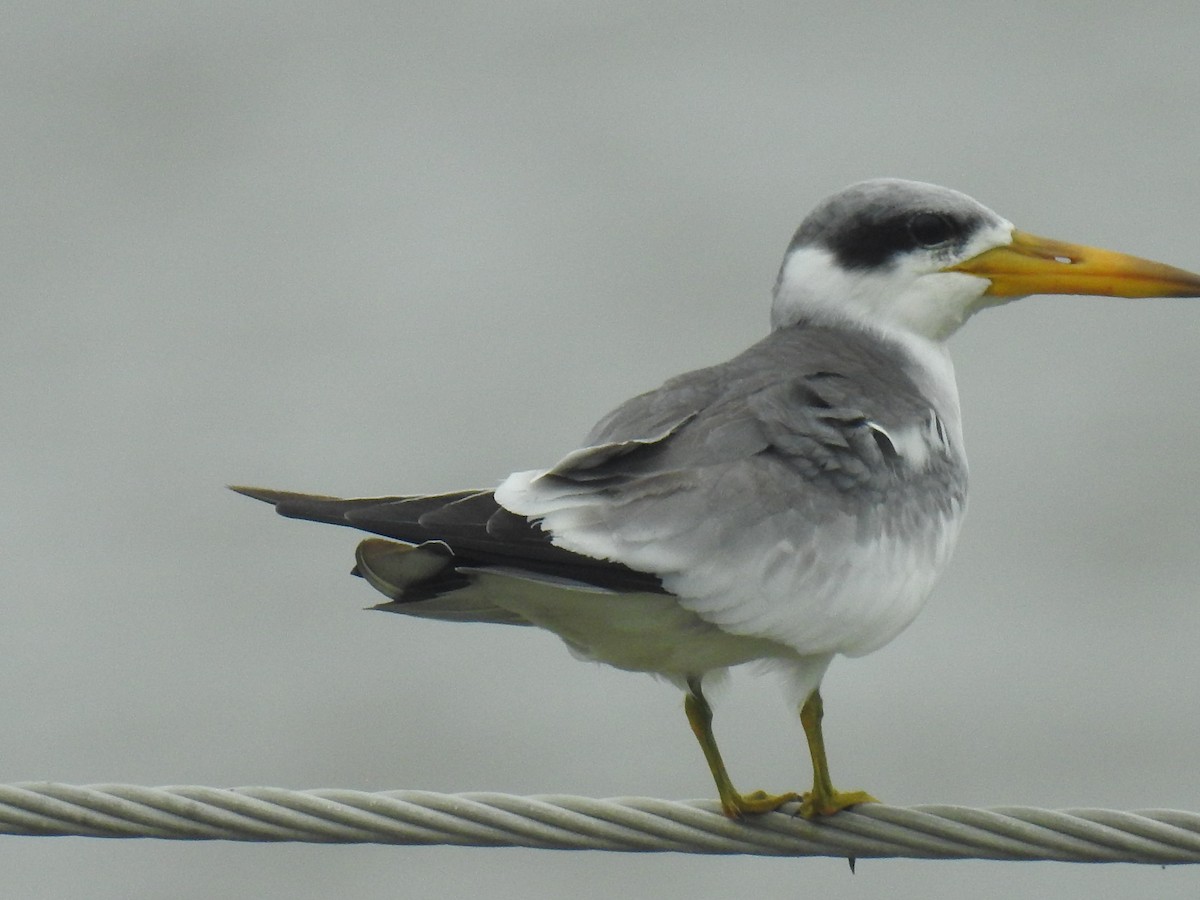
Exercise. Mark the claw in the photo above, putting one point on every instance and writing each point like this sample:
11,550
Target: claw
813,807
738,806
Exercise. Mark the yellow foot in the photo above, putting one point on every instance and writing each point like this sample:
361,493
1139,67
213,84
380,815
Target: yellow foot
738,806
814,807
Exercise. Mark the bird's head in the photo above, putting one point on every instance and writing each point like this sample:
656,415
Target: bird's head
923,258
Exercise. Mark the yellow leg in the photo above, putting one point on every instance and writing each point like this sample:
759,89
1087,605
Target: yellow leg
733,804
822,800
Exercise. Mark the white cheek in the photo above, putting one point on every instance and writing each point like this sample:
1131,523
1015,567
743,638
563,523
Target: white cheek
813,282
809,276
936,305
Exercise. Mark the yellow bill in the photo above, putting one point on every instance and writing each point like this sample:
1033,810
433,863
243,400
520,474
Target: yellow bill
1038,265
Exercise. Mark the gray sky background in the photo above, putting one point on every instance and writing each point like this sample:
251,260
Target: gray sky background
373,247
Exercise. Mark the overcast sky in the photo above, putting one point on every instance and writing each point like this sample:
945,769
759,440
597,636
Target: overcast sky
365,248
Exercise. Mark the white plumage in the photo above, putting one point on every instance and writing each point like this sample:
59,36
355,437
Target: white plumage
792,504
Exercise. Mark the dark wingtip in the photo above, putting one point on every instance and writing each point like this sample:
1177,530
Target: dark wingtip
294,505
266,495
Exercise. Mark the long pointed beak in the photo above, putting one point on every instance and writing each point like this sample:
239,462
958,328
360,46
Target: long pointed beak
1038,265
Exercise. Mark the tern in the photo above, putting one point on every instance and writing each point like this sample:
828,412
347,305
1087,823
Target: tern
793,504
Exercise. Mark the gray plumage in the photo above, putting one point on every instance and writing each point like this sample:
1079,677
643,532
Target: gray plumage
817,400
820,446
800,427
794,503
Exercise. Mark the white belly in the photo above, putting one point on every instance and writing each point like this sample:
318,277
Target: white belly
640,632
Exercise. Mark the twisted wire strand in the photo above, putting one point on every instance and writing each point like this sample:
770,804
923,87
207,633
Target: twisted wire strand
632,824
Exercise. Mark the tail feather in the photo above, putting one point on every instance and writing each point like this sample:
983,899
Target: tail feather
474,530
423,581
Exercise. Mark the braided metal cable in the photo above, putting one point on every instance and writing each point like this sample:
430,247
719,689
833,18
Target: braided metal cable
638,824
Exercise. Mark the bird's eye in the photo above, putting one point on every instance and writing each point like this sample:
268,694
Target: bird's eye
930,229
